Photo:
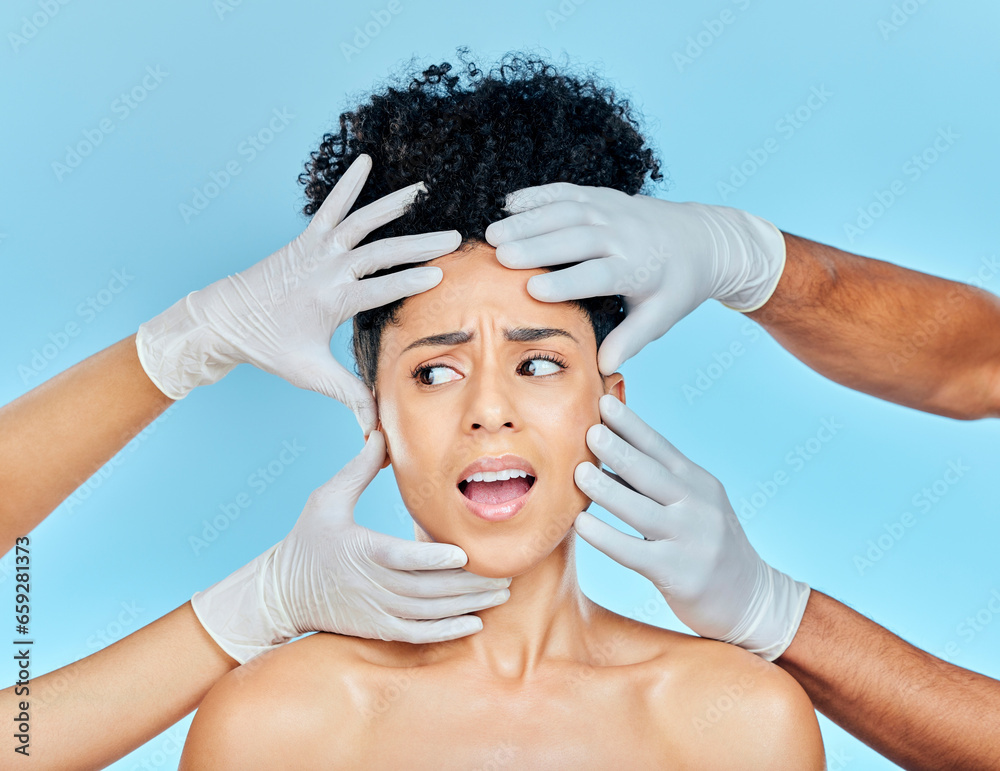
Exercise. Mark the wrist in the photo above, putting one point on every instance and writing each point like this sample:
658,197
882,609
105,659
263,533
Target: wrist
773,615
236,613
179,350
751,255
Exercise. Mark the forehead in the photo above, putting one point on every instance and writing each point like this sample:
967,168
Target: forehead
475,289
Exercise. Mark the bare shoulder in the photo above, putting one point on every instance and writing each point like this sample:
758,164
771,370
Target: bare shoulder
256,715
731,703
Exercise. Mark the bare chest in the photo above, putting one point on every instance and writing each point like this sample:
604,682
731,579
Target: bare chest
580,718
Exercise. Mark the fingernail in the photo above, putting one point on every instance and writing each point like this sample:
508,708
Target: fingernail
424,276
540,288
612,407
500,597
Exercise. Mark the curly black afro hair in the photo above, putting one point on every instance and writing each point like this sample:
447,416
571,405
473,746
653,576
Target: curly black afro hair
472,141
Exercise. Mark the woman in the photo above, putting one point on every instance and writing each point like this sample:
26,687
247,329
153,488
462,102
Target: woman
475,377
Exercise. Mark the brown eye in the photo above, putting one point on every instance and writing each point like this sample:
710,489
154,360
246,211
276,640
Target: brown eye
540,366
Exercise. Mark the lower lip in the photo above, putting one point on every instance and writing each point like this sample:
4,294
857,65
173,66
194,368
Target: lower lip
497,512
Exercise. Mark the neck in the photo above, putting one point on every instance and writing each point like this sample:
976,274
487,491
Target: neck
546,618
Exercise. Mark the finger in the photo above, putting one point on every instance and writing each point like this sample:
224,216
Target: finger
636,509
324,374
344,193
621,547
444,607
634,430
400,554
346,487
389,252
594,278
539,195
366,219
544,219
642,325
645,475
420,632
376,292
453,582
583,242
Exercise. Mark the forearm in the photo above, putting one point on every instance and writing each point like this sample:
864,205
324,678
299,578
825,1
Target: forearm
57,435
96,710
898,334
917,710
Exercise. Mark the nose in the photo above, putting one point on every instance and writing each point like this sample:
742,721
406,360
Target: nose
491,404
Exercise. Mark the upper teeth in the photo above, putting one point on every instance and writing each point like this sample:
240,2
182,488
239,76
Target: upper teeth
493,476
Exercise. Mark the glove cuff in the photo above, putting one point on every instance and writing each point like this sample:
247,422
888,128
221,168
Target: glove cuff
179,351
236,611
770,623
754,250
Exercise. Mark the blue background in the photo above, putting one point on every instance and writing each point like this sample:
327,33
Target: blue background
890,88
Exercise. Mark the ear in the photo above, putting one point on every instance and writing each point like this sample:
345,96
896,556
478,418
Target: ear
614,384
388,450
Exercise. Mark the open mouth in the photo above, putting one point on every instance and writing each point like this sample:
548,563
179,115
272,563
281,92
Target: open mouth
492,490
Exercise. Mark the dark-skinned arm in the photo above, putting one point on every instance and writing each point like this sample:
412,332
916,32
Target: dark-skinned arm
898,334
915,709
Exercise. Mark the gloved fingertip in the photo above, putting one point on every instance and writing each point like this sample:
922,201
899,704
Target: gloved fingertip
455,558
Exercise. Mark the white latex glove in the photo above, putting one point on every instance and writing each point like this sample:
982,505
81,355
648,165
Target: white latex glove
695,551
281,313
330,574
665,258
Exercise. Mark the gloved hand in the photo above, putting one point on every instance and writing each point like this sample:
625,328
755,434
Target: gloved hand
281,313
695,551
330,574
665,258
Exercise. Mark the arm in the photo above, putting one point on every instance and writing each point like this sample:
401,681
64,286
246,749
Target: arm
57,435
900,335
917,710
96,710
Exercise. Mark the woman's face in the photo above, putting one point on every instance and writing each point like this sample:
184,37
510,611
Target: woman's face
445,404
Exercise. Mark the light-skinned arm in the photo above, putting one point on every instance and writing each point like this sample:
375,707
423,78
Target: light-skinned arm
898,334
57,435
916,709
94,711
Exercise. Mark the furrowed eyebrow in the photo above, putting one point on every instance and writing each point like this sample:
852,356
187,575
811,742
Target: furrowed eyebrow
511,335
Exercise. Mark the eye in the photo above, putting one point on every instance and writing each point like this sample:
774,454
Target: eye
420,373
550,366
537,366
